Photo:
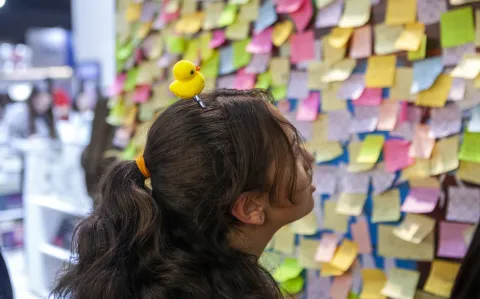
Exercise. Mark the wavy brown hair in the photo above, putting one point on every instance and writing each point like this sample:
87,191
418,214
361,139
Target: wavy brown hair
171,241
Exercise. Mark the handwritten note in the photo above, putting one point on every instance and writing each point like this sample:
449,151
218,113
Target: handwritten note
332,220
361,44
451,240
345,255
463,204
386,207
373,282
401,283
391,246
355,13
371,148
421,200
441,278
326,247
381,71
361,235
457,18
351,204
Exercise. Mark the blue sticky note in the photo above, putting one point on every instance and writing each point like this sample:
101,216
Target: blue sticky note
226,61
268,16
425,72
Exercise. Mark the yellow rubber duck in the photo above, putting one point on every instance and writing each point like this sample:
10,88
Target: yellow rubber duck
189,82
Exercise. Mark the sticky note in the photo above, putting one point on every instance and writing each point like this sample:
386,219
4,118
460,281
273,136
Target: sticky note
332,55
469,149
386,207
430,11
449,24
423,295
373,282
263,81
355,182
385,38
451,240
401,283
218,38
411,38
324,3
190,24
396,155
241,58
468,68
288,6
317,287
436,96
422,144
279,93
226,61
281,32
381,71
328,270
210,66
345,255
330,101
280,71
261,43
361,235
249,11
468,172
369,97
326,248
297,85
306,255
341,286
474,124
326,151
212,12
353,165
454,55
401,12
133,12
388,115
441,278
414,228
352,87
420,53
444,155
356,13
463,204
288,269
339,71
339,37
284,240
243,80
477,27
268,17
301,17
371,148
445,121
381,180
316,70
175,44
238,30
293,286
227,17
306,225
361,45
350,204
332,220
339,125
430,182
425,72
365,119
391,246
308,108
329,16
302,46
421,200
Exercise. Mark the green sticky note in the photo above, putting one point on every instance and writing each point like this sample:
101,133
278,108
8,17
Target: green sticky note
209,67
241,57
293,286
279,93
175,44
228,15
370,149
204,45
469,151
353,296
117,114
129,152
191,53
457,27
124,52
131,80
289,269
263,81
420,53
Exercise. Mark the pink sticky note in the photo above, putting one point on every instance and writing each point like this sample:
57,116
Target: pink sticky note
361,45
388,115
302,16
288,6
421,200
308,108
261,43
422,145
283,106
369,97
402,113
302,47
117,86
326,248
329,16
218,38
341,286
361,235
395,153
244,80
168,17
451,240
142,94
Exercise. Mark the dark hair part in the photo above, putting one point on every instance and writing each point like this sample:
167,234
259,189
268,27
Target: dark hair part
47,116
172,241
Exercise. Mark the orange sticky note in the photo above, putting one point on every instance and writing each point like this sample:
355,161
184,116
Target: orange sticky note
345,255
422,145
361,45
388,115
381,71
436,95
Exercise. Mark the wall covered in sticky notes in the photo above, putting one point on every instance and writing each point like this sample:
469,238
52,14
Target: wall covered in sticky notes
386,94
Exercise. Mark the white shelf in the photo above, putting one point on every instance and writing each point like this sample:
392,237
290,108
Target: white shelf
55,251
52,202
10,215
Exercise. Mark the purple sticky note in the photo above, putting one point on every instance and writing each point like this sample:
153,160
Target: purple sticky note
395,153
365,119
463,204
352,88
457,91
421,200
325,179
356,182
226,81
445,121
453,56
403,130
298,85
339,125
243,80
317,287
261,43
329,16
369,97
218,38
451,240
430,11
381,180
258,64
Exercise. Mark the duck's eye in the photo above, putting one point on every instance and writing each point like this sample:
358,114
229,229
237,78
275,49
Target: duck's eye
191,72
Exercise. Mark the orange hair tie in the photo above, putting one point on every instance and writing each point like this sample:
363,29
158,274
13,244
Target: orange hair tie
142,166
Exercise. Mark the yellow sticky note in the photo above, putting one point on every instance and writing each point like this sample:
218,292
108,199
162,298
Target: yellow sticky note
339,37
390,245
332,220
441,278
156,49
306,255
380,71
414,228
204,44
386,207
401,283
477,27
281,32
316,70
306,225
249,11
428,182
444,155
469,150
147,72
468,68
228,15
400,90
371,148
325,151
356,13
350,204
280,71
353,165
212,12
320,130
468,172
436,96
134,11
423,295
373,282
333,55
238,30
345,255
339,71
420,169
385,38
284,240
330,100
188,7
401,12
420,53
190,24
411,38
328,270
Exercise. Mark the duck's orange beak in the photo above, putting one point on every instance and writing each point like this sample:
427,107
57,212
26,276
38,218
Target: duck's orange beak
197,68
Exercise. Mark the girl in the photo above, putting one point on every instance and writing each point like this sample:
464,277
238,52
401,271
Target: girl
224,180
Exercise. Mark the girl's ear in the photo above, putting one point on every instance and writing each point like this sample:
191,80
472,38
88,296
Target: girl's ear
249,209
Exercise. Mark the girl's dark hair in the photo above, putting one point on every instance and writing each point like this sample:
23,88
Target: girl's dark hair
47,116
172,241
467,283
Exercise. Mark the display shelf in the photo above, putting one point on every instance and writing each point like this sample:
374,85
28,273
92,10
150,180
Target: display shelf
54,203
56,252
10,215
